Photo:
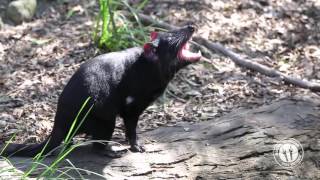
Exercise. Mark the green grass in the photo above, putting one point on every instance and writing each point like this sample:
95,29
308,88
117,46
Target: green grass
114,31
52,170
66,148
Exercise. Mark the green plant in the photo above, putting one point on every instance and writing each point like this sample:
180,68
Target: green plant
67,149
51,170
113,30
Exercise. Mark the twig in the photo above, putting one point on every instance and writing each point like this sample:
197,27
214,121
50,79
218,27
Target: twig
148,20
237,59
258,67
143,173
175,96
176,161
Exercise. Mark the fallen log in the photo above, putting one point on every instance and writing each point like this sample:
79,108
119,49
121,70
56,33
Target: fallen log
238,145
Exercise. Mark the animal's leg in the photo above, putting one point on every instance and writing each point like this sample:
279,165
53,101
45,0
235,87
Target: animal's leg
130,123
103,132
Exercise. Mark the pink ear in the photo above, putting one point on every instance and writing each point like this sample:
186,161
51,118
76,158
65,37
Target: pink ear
147,48
148,52
153,35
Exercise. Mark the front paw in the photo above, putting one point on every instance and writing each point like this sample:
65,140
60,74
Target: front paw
107,151
137,148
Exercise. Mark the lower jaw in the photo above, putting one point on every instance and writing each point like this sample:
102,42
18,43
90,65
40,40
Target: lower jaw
189,60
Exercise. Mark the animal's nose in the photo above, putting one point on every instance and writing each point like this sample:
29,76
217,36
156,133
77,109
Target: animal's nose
191,27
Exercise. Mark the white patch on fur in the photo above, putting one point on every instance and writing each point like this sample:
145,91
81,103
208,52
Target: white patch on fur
129,100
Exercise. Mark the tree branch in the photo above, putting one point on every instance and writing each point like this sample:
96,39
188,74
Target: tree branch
237,59
257,67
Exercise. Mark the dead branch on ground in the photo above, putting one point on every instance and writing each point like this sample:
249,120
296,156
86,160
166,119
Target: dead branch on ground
237,59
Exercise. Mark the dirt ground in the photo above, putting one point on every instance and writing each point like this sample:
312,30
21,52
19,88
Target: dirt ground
38,57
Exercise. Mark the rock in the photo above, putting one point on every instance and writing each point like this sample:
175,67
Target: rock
1,23
21,10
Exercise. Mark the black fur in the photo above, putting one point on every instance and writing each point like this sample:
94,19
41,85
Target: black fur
109,80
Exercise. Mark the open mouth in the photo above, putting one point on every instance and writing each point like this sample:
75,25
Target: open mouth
186,55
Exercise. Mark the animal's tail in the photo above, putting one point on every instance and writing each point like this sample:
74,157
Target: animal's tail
31,150
25,149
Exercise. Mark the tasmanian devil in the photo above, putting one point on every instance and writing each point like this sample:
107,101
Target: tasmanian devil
120,84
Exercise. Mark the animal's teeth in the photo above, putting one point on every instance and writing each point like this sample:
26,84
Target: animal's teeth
187,46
